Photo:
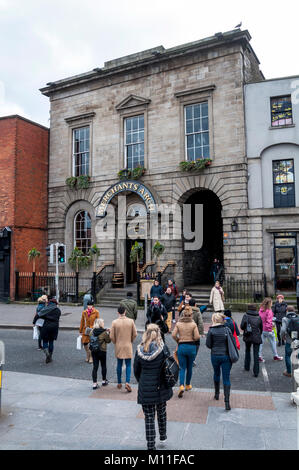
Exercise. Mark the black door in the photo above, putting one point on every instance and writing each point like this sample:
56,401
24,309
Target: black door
5,241
132,267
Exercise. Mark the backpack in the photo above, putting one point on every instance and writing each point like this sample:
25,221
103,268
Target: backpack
170,372
248,329
94,344
293,325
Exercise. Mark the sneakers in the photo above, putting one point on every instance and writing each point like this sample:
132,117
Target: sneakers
95,387
181,391
163,441
105,382
261,359
278,358
286,374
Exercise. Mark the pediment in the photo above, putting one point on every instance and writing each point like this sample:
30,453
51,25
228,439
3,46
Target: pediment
131,101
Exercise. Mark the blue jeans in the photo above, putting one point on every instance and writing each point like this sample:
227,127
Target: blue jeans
119,370
288,352
49,345
186,356
271,338
221,363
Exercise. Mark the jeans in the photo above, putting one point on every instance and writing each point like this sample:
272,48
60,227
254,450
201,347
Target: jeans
256,366
49,345
271,338
99,357
221,363
119,370
186,356
288,352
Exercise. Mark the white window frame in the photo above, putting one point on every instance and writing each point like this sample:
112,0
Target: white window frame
75,229
139,142
198,132
73,150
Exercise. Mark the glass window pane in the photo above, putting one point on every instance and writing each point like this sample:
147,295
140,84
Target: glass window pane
198,139
197,125
128,138
196,111
205,124
190,153
189,112
189,126
206,151
205,138
135,123
204,110
198,152
190,141
135,137
128,124
141,122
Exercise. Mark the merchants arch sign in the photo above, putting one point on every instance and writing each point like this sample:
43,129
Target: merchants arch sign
122,186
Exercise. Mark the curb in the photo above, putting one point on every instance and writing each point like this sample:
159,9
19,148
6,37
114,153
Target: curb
30,327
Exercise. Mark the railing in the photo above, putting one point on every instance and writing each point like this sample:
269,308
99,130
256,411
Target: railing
163,276
147,265
101,278
32,285
244,291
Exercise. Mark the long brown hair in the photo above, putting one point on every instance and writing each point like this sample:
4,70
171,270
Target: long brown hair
266,304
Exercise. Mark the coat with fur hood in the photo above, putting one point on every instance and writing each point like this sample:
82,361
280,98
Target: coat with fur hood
148,372
185,331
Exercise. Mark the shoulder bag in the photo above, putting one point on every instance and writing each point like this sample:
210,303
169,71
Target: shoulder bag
232,347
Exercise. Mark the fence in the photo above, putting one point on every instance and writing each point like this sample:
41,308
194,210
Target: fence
244,291
33,285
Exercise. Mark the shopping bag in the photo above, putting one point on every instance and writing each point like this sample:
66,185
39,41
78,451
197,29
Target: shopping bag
79,343
35,332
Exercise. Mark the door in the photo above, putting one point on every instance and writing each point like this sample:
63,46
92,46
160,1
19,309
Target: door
4,264
285,263
131,268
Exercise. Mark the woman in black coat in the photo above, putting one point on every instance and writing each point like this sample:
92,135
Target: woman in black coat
152,392
279,310
252,327
49,331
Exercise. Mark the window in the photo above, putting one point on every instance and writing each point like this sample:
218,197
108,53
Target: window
197,131
134,141
81,151
283,183
281,111
83,231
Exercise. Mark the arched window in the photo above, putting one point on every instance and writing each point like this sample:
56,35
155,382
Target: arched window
82,231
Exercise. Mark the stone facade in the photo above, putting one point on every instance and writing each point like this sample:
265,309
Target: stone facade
158,83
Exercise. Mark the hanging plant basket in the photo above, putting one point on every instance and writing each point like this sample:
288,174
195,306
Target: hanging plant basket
134,174
195,165
78,182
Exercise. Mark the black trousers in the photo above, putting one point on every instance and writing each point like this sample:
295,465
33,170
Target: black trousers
256,366
149,417
99,357
278,328
297,303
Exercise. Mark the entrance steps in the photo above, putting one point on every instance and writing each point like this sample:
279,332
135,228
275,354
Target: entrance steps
113,296
201,294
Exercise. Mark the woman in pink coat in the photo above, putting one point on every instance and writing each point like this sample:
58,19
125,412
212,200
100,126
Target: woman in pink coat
266,315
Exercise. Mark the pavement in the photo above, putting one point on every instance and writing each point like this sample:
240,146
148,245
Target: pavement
42,411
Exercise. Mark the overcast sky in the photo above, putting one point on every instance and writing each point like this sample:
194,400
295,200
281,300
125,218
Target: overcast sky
43,41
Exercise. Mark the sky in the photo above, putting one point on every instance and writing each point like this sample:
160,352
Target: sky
43,41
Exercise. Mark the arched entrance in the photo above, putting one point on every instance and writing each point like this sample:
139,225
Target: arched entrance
197,263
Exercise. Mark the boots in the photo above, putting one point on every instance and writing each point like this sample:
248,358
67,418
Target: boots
217,390
226,389
88,354
47,354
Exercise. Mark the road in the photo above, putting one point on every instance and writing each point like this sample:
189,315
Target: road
22,356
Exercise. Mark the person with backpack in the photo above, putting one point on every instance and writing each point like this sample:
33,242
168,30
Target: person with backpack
131,306
289,323
153,392
98,339
232,325
266,315
87,321
122,334
186,334
252,327
279,311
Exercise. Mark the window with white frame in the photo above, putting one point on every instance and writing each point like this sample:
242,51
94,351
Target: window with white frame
197,142
81,146
134,141
82,231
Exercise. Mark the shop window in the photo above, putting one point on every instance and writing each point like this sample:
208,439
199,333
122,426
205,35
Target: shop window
283,183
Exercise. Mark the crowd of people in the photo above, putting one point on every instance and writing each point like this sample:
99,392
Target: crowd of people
186,328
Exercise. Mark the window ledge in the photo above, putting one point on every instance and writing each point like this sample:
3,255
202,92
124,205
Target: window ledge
273,128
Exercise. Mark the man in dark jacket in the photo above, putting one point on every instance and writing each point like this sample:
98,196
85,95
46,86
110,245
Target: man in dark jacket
168,300
49,331
279,310
156,290
156,313
252,327
217,270
131,306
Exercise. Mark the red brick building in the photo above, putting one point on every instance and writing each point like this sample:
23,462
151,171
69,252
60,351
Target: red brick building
23,197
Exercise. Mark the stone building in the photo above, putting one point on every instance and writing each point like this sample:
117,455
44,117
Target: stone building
156,109
23,197
272,114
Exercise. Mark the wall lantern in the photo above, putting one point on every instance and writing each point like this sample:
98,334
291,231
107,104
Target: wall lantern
234,226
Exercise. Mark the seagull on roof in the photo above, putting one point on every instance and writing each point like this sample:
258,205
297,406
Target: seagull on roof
238,25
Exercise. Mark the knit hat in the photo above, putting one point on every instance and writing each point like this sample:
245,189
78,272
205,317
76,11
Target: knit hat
280,296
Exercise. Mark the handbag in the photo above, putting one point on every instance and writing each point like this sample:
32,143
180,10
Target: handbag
35,332
236,337
79,343
232,347
170,372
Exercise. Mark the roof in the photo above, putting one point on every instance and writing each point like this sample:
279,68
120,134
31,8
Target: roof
17,116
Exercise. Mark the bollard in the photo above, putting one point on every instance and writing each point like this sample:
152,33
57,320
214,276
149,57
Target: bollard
2,362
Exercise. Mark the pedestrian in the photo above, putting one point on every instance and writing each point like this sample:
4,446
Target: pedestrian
49,331
185,302
152,392
279,310
217,270
217,297
230,322
100,356
173,286
37,320
131,306
186,334
197,317
266,315
288,340
297,291
156,290
168,300
122,334
88,318
156,313
182,298
217,342
252,327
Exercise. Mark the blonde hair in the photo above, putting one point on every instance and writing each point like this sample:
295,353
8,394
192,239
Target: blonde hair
218,318
98,323
152,333
42,299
